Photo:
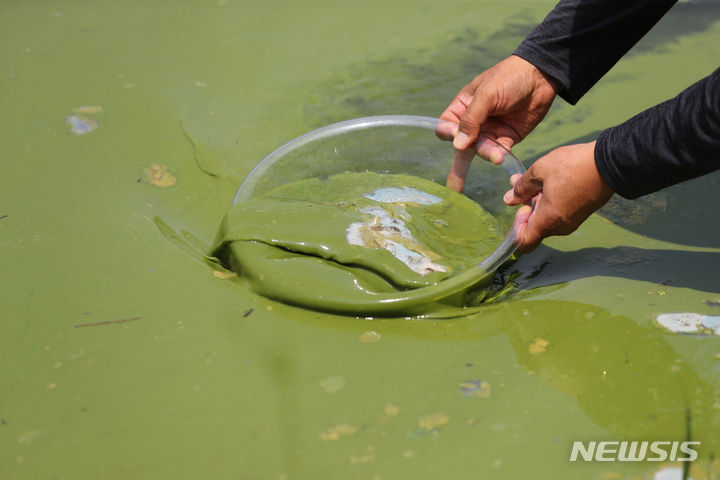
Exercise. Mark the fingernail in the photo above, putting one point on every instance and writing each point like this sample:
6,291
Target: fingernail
508,197
461,141
497,157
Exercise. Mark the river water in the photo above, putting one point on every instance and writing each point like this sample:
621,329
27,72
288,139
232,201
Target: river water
126,357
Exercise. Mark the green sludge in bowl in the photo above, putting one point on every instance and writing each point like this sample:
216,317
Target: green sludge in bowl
354,218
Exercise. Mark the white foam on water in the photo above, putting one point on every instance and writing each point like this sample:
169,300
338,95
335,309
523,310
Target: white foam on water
687,322
382,230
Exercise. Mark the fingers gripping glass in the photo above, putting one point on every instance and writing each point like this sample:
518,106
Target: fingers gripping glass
401,144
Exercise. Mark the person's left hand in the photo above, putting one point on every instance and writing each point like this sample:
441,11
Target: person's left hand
567,188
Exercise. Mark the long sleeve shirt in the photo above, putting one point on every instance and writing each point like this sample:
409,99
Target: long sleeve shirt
577,43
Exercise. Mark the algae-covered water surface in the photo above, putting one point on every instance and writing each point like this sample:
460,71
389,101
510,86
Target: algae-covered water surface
126,130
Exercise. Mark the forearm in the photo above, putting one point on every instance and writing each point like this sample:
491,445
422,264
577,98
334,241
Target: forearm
580,40
672,142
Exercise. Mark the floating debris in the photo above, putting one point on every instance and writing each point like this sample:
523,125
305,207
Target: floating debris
333,434
709,303
199,83
223,274
433,421
382,230
89,110
539,345
159,175
690,323
333,384
670,473
391,410
370,337
81,124
106,322
475,388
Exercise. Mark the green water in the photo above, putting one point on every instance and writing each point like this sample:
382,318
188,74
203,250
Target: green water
125,357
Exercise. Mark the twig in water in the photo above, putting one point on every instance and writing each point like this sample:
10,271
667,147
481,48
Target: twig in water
106,322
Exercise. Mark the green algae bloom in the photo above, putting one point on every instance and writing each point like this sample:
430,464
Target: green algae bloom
354,237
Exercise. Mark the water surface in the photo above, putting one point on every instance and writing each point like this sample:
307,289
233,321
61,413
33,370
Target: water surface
125,357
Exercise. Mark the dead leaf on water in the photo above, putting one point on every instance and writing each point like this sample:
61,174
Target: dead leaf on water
223,275
159,175
539,345
433,421
333,434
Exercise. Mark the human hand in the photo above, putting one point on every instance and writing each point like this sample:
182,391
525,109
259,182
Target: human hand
504,103
567,188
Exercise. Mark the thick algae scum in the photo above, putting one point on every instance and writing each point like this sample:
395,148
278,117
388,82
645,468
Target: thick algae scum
352,240
124,357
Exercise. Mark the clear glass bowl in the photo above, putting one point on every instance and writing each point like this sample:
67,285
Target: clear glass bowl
396,144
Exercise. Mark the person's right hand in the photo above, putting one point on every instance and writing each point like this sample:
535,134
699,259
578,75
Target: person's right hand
567,189
504,102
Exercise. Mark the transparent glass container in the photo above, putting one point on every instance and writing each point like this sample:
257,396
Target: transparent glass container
403,144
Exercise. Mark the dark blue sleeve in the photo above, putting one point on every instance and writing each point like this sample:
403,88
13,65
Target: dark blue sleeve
580,40
672,142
